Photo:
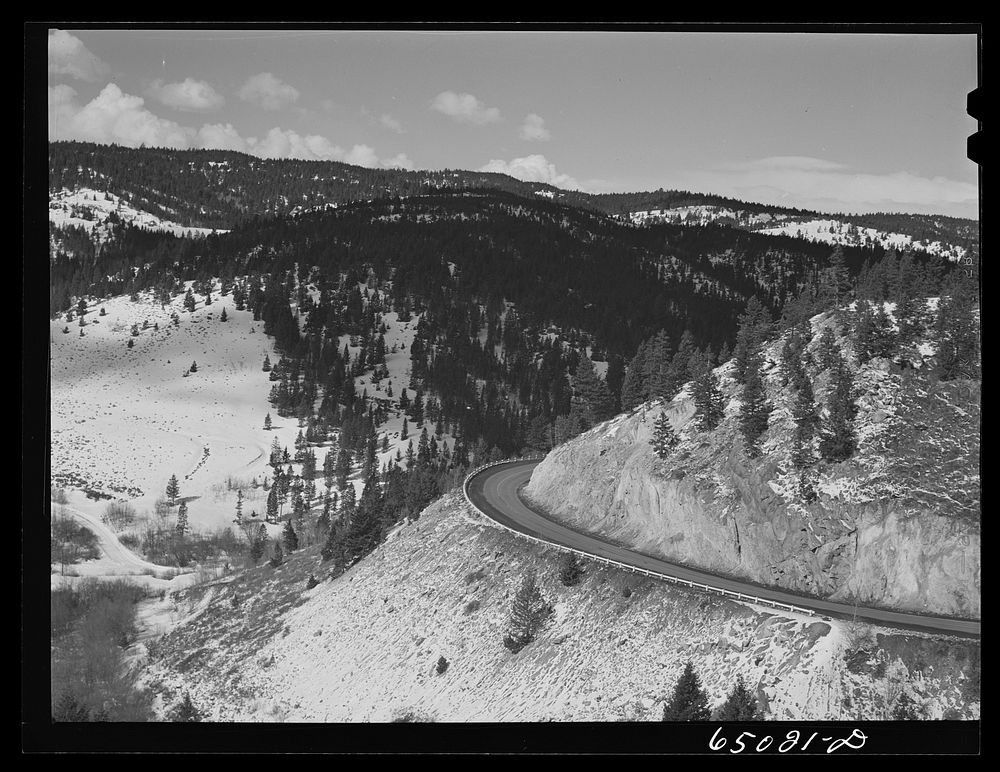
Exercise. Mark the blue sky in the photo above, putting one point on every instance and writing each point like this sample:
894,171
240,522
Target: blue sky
830,122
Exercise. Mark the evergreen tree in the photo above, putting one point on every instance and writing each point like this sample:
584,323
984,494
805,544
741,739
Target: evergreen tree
740,705
257,544
827,352
277,556
957,334
689,702
755,327
173,489
267,422
634,391
239,507
593,391
189,301
838,439
664,438
289,537
529,612
182,519
223,317
705,391
185,710
193,368
271,513
754,407
267,364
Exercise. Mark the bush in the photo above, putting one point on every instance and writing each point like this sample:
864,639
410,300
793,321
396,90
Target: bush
71,542
472,605
118,515
442,665
570,569
312,582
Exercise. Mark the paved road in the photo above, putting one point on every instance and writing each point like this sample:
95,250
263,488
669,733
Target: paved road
495,491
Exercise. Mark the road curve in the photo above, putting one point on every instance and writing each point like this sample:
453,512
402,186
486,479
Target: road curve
495,491
115,551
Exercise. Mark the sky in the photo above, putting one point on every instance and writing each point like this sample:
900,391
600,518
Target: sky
832,122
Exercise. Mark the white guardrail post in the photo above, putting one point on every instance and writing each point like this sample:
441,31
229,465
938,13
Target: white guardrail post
609,561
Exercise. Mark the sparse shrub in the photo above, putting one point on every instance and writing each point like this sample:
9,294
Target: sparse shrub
71,542
312,582
471,606
570,569
626,591
442,665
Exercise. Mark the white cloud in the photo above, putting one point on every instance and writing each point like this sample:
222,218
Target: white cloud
533,129
119,118
269,92
69,56
465,108
815,183
388,122
190,95
532,168
112,117
218,136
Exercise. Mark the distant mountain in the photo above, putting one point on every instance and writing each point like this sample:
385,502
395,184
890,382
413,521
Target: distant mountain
214,190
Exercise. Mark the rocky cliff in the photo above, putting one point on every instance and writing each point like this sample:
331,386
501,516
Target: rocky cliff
896,525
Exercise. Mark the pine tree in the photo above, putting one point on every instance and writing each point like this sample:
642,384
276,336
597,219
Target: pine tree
267,364
755,326
189,301
289,537
827,352
257,546
185,710
529,612
664,438
754,408
277,556
272,503
838,439
267,422
593,391
173,489
239,507
957,334
182,519
223,317
193,368
705,390
689,702
740,705
634,391
570,569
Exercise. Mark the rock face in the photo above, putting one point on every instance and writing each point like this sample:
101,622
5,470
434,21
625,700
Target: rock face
881,531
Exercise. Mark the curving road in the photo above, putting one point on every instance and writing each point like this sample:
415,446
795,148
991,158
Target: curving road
115,551
495,491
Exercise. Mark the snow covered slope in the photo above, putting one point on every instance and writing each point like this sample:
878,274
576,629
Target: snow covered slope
87,208
125,419
366,646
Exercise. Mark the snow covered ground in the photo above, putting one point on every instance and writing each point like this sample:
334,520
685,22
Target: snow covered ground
123,420
829,231
88,208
